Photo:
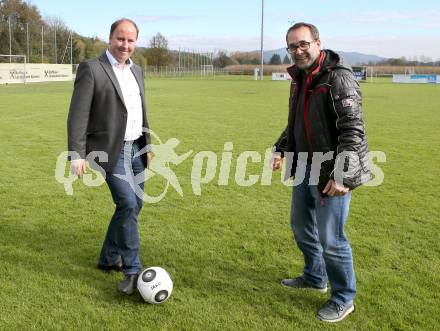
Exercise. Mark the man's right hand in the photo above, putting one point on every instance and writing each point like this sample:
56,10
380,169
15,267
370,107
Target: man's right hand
78,167
276,161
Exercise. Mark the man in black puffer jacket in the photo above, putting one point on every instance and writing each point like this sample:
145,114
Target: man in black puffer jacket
326,150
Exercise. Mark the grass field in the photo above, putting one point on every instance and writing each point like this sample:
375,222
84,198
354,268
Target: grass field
228,248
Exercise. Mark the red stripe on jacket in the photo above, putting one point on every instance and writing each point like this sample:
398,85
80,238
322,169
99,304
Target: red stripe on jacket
306,100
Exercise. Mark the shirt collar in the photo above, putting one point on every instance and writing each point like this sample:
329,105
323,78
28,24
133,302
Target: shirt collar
115,63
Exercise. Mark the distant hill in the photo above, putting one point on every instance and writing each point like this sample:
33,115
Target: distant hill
353,58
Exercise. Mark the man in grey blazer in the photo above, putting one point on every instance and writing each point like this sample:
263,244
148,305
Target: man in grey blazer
108,115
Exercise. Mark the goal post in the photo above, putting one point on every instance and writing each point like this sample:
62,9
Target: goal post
207,70
14,70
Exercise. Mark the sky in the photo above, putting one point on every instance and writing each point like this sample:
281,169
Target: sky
383,28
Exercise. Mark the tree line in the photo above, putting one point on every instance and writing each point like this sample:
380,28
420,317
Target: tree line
223,59
23,31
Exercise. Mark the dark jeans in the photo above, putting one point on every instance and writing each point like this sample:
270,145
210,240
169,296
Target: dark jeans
122,238
318,227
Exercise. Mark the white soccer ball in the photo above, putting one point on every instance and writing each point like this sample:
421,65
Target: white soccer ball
155,285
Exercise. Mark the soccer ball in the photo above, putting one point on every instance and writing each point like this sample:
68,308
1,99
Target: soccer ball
155,285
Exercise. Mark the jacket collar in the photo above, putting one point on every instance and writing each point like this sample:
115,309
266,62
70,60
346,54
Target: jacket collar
114,62
330,60
105,63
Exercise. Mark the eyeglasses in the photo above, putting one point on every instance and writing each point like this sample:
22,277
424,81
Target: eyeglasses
303,45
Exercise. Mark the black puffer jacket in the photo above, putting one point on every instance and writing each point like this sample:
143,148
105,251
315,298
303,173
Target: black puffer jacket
333,120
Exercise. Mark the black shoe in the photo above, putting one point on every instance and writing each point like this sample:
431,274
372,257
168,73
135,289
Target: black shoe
115,267
301,283
128,285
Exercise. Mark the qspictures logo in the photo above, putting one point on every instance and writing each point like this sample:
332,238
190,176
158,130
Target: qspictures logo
207,166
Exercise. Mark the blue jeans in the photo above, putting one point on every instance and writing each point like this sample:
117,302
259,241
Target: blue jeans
318,227
122,238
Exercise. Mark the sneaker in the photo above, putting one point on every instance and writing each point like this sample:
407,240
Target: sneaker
129,284
300,282
333,312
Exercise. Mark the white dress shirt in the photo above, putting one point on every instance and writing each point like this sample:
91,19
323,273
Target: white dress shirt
132,97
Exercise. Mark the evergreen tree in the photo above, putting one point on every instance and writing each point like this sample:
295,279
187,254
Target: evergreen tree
275,59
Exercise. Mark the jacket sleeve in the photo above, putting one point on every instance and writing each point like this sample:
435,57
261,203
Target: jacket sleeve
79,111
280,145
147,126
352,146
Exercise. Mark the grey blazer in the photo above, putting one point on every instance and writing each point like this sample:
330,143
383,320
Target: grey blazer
97,115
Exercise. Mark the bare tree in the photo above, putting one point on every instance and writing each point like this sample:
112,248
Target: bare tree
158,54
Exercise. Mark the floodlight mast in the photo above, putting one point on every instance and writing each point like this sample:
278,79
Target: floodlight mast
10,40
262,20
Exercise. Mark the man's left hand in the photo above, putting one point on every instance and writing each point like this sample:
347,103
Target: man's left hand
334,189
149,157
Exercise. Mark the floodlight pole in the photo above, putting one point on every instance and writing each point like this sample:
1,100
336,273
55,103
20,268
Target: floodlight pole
27,40
262,20
71,48
55,44
42,43
10,41
180,69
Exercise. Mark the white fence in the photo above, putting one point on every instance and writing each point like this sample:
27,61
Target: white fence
417,78
11,73
202,71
